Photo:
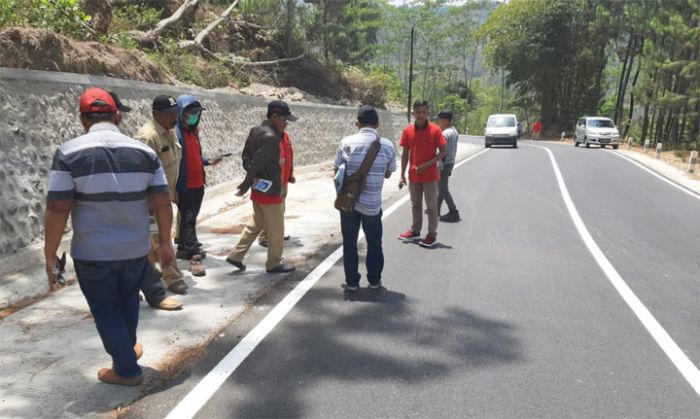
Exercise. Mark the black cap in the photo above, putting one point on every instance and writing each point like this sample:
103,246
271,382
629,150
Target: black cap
122,107
367,115
446,113
280,107
164,103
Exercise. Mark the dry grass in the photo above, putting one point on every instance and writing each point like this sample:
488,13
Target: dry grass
674,158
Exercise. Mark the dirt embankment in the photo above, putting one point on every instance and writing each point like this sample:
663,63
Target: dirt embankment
37,49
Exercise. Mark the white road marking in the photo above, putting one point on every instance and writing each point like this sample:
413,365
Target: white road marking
670,182
662,338
205,389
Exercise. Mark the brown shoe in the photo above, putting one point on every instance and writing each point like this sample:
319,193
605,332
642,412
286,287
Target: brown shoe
107,375
138,350
196,266
169,304
179,287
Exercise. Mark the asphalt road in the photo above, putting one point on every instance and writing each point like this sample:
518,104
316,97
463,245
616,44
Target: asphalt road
510,316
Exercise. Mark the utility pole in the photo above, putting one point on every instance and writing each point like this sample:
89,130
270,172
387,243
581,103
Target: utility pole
503,84
410,78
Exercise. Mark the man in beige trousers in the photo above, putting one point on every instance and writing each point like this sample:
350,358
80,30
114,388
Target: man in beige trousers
159,135
265,175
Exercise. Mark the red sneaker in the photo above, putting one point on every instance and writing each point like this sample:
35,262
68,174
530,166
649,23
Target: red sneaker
409,235
428,241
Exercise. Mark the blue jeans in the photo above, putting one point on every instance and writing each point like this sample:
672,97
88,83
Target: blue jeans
350,227
112,292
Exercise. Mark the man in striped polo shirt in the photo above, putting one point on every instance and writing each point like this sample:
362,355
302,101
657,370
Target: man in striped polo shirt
368,207
104,181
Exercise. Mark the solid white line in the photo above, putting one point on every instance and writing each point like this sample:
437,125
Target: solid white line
670,182
662,338
205,389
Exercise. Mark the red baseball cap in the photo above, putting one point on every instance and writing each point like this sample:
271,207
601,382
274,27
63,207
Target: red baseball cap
96,100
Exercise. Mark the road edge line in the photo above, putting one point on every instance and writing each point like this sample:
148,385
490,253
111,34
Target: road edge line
657,174
193,402
679,359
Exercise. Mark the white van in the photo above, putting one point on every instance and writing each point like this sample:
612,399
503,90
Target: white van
501,129
596,130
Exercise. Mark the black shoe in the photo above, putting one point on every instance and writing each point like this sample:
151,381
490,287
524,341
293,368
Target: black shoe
451,217
282,269
241,267
352,288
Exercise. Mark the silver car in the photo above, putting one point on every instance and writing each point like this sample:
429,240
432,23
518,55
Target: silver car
596,130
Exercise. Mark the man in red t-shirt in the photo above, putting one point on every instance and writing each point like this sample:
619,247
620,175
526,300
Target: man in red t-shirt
536,129
265,174
423,146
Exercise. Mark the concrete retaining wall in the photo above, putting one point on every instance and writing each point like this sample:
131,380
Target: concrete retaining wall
38,111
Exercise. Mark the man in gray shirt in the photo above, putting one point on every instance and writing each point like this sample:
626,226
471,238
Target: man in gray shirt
446,165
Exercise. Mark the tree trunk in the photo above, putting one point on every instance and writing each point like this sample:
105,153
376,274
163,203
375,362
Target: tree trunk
620,96
101,12
179,13
628,122
289,26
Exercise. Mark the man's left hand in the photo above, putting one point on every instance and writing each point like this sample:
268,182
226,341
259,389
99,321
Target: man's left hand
292,179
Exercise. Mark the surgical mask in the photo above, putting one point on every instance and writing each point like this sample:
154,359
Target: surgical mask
192,120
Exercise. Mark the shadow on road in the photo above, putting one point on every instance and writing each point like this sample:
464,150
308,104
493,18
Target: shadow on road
365,339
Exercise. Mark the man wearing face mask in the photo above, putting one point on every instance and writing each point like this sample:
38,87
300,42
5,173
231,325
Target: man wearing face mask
159,135
264,173
190,182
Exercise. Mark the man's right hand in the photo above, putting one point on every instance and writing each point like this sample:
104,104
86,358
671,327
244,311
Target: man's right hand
51,263
166,255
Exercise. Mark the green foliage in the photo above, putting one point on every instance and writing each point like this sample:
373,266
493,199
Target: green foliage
63,16
124,41
134,16
607,107
368,87
190,68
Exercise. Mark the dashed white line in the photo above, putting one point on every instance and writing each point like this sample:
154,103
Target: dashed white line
205,389
684,365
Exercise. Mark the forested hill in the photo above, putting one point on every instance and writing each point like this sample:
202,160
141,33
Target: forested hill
634,61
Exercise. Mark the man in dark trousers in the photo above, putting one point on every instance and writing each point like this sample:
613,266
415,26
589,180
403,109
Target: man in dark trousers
368,207
104,180
190,182
264,173
446,164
